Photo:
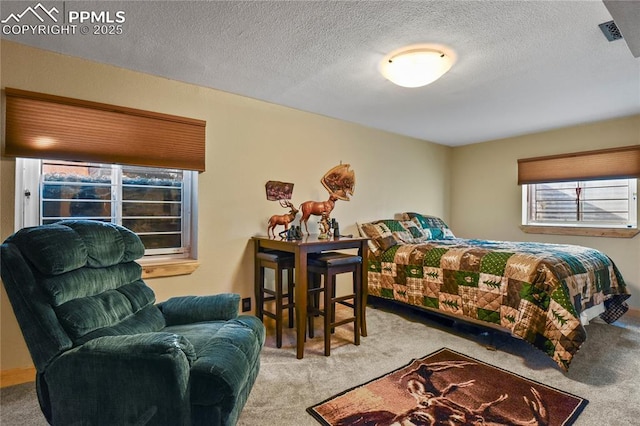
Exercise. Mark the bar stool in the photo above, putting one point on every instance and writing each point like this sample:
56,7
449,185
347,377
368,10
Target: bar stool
328,265
279,261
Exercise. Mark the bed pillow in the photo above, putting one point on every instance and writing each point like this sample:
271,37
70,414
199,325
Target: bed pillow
404,231
411,233
373,248
434,227
381,237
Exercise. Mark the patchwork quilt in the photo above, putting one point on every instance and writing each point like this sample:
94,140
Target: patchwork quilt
536,291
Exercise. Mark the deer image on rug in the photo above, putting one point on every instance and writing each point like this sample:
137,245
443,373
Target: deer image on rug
433,406
447,388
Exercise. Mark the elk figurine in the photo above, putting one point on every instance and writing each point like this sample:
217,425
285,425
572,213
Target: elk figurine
282,219
317,208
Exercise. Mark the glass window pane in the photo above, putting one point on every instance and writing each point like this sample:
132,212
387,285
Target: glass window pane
595,202
140,226
88,185
76,209
161,241
555,194
604,206
152,205
150,209
53,171
622,217
149,201
606,193
151,193
151,177
557,185
56,190
555,216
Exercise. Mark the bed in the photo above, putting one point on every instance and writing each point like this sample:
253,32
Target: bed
535,291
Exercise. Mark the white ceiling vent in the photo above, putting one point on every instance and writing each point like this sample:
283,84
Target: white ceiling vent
610,31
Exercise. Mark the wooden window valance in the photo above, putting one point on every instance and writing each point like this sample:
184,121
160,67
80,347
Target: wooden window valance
613,163
53,127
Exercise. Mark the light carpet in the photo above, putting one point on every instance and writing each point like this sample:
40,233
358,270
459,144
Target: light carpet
606,371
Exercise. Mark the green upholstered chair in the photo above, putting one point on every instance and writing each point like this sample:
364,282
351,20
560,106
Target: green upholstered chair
105,352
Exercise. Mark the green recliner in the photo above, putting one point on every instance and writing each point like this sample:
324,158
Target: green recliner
105,352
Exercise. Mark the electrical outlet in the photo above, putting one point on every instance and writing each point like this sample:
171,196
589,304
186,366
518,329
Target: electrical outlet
246,304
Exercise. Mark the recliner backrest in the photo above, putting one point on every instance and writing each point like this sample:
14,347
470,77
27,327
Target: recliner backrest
75,280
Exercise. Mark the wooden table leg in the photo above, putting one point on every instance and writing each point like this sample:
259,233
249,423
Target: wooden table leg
258,277
364,253
301,286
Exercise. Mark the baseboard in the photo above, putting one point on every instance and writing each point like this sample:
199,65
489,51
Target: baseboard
17,376
634,313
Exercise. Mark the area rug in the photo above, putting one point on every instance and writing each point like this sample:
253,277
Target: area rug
446,388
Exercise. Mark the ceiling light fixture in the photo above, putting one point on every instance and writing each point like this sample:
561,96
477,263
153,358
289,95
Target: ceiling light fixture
417,65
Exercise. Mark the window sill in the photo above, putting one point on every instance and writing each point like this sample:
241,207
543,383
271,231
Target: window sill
167,267
580,231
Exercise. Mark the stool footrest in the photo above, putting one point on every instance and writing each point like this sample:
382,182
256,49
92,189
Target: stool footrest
343,322
272,295
269,314
343,298
347,304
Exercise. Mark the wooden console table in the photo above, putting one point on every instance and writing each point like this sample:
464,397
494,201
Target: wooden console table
301,248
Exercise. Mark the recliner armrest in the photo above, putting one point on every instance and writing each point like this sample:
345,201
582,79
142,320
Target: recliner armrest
190,309
227,361
141,345
125,379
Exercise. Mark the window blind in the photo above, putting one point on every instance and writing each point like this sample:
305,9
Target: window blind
53,127
613,163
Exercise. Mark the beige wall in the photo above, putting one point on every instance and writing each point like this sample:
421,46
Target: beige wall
248,143
486,201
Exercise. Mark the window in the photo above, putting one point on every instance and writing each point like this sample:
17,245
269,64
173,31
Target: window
150,192
593,203
588,193
155,203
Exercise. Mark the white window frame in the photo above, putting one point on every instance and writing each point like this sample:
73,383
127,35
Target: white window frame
631,224
28,202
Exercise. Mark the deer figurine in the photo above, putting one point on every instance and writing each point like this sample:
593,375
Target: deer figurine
282,219
316,208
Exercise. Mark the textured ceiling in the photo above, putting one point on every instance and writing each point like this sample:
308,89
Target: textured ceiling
522,67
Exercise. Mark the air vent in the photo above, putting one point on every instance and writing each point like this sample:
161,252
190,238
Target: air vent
610,31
